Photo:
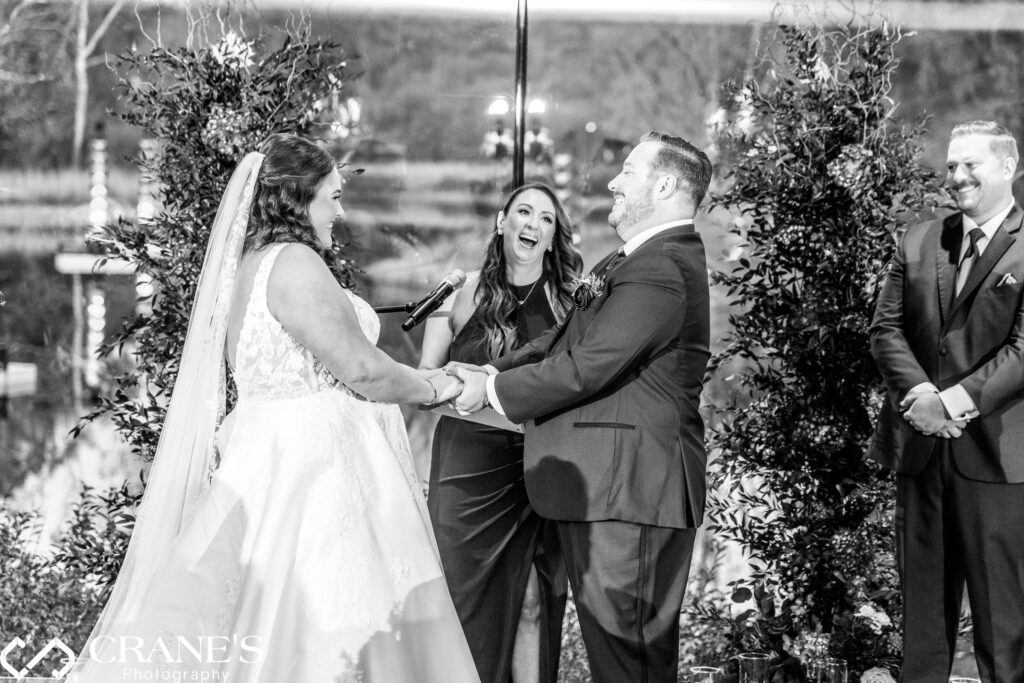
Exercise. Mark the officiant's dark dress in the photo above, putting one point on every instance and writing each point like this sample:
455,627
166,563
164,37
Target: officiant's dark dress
487,532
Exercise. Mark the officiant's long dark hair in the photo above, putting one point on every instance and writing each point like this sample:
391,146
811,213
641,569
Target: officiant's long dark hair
496,301
292,170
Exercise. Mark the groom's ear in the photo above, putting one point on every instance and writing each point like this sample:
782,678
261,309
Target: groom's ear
666,185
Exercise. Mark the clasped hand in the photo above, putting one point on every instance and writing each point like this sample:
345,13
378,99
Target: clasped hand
925,412
474,386
447,386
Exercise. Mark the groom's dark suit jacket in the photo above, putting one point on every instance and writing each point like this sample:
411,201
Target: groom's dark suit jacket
920,334
610,399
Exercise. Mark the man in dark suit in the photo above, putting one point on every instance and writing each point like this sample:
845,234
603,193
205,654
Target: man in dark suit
948,338
614,441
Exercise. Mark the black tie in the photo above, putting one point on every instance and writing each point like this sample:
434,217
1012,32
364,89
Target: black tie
972,249
964,266
620,254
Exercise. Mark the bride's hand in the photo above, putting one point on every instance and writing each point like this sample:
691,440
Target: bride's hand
448,388
431,374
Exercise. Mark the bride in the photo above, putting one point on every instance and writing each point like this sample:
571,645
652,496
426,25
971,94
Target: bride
307,553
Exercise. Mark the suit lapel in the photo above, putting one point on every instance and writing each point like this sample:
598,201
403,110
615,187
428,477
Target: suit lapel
945,262
600,266
1001,241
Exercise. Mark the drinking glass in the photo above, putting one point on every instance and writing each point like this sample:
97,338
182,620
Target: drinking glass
832,671
705,674
753,667
816,649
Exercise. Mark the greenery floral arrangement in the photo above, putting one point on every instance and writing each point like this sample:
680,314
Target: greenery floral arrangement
820,177
206,107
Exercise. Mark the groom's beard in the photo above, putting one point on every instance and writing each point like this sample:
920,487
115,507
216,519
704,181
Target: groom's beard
633,211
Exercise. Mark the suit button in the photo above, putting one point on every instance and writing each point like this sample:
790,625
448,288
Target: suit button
942,351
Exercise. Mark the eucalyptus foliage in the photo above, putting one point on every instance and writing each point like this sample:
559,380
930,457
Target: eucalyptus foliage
821,177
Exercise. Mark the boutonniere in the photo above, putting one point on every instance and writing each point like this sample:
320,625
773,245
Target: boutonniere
585,289
1007,279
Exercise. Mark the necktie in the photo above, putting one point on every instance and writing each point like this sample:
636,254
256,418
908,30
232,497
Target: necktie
620,254
970,255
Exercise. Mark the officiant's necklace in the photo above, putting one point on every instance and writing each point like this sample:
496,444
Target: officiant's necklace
532,287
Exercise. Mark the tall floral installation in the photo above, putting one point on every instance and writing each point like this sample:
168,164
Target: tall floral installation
205,106
820,178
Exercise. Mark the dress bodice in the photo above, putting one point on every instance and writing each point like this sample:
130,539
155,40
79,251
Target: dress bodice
532,317
269,362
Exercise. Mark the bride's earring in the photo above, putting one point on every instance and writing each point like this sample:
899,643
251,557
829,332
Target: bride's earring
550,248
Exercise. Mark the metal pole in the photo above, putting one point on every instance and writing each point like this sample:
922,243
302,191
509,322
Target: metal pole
77,341
519,132
4,368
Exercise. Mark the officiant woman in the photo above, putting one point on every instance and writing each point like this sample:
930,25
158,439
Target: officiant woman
501,560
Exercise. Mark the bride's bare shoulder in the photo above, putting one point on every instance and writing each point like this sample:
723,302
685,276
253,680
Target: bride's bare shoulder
297,263
300,282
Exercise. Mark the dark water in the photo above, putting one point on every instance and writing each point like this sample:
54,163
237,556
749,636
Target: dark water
36,323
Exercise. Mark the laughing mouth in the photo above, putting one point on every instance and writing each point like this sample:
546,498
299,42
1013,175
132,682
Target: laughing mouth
528,240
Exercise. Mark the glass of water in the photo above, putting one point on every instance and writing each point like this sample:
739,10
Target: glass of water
753,667
705,674
832,671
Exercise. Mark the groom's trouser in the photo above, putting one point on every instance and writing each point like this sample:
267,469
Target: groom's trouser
628,582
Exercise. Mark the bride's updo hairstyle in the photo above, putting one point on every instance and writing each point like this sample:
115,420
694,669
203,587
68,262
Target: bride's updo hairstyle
292,170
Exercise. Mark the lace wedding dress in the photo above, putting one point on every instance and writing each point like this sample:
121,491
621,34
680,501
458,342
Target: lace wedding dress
310,558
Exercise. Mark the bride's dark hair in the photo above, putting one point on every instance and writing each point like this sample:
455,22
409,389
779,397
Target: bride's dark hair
292,170
496,300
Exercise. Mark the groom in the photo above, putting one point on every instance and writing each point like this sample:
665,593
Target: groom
614,441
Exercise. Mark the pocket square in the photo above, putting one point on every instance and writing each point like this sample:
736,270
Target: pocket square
1007,279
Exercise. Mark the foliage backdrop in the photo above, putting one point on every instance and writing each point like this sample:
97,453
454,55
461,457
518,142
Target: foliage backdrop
821,176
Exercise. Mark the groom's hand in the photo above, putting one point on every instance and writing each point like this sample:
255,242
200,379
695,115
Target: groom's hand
474,393
454,365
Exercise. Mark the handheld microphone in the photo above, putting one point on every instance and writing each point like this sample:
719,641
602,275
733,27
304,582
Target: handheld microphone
449,284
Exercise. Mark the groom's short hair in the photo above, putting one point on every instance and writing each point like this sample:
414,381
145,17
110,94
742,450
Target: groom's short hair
680,158
1003,142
